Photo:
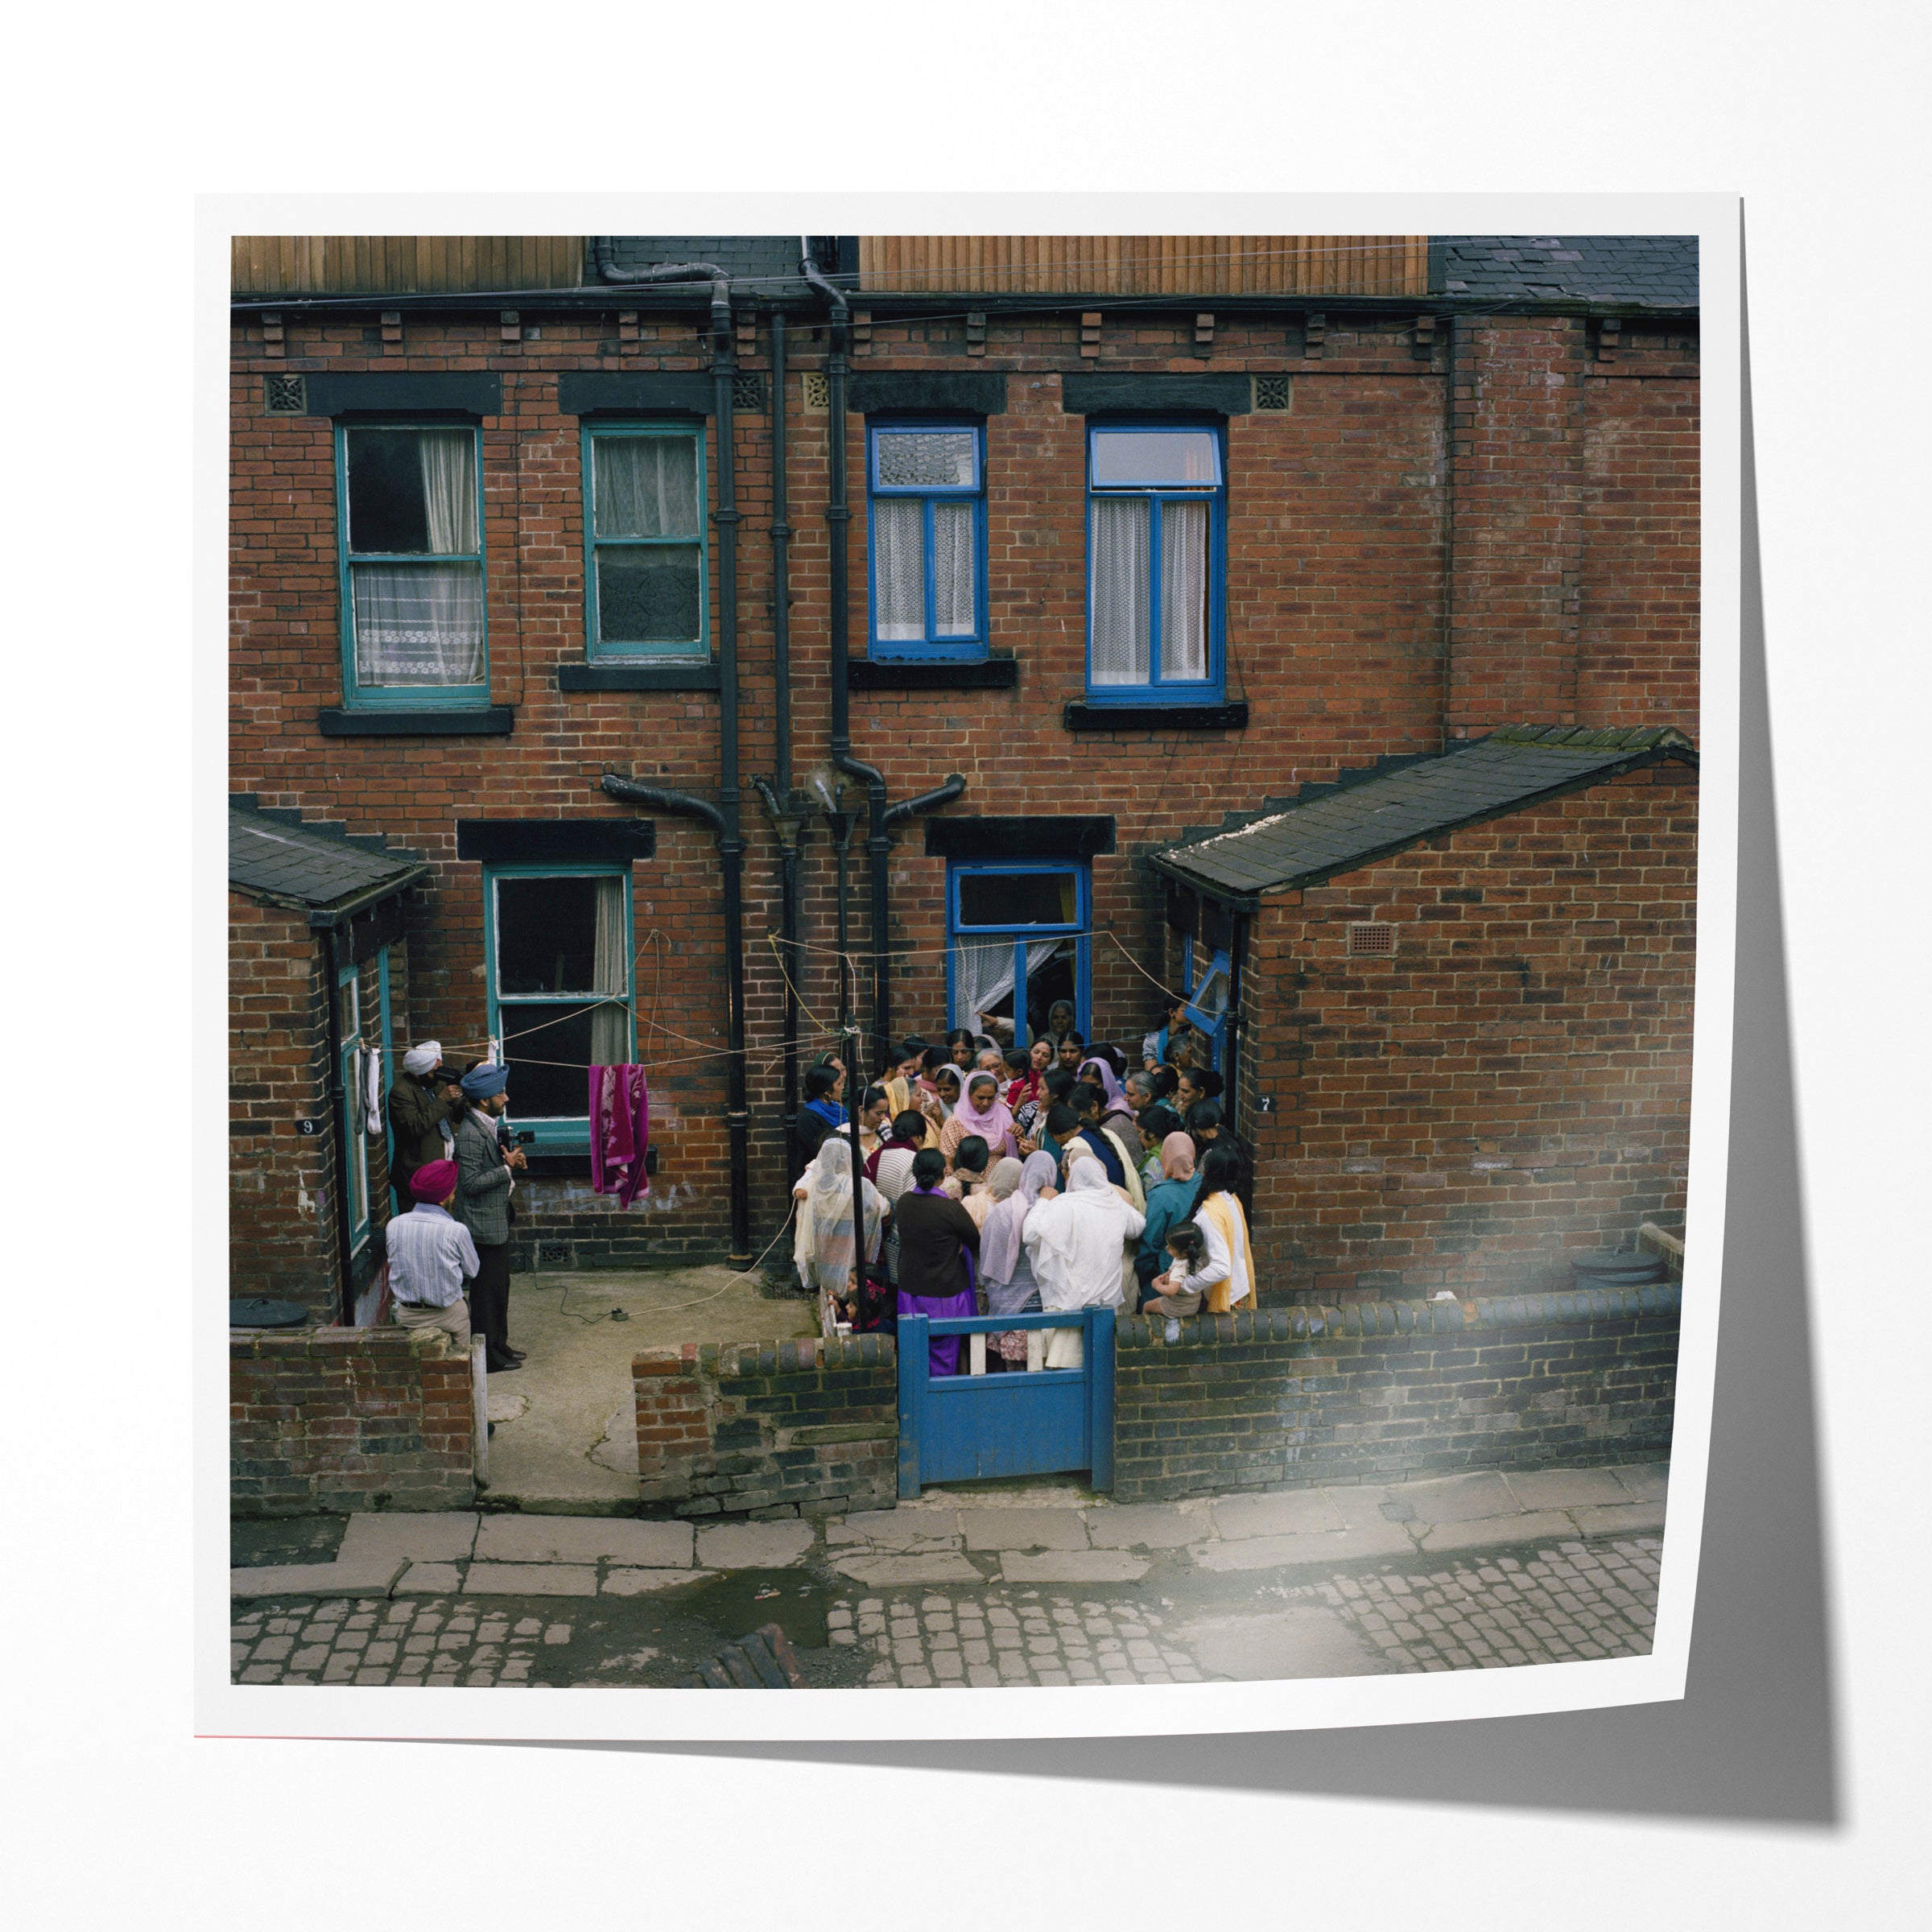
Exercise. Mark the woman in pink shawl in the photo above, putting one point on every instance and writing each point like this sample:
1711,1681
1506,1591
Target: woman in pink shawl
980,1111
1096,1072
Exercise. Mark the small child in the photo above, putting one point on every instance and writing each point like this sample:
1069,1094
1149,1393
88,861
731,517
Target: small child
1187,1255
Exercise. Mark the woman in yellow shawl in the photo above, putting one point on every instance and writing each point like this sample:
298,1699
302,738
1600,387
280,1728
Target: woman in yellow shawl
1226,1277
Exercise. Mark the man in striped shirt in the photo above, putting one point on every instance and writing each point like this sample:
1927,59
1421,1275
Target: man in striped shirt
430,1254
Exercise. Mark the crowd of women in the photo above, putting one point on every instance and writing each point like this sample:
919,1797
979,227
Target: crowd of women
1013,1181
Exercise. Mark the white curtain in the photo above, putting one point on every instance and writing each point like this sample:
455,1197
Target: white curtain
449,490
1121,590
1183,590
898,568
982,974
609,1022
418,623
952,572
646,486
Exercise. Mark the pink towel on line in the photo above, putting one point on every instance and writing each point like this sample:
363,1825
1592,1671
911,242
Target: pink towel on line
619,1132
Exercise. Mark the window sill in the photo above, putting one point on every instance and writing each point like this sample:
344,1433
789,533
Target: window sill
472,721
982,674
1155,717
668,676
560,1163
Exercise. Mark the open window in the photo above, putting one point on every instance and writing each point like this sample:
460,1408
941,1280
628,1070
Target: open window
558,954
1016,946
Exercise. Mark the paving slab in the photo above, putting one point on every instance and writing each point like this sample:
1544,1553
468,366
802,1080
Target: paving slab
755,1545
430,1580
1360,1504
1458,1499
371,1577
885,1571
1073,1566
1285,1512
433,1536
531,1579
1305,1639
892,1529
637,1583
1619,1519
1144,1526
1645,1481
585,1539
1023,1529
1565,1489
1531,1526
1318,1546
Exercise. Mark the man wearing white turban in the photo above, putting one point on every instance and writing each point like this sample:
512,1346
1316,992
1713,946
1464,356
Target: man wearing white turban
1074,1244
423,1116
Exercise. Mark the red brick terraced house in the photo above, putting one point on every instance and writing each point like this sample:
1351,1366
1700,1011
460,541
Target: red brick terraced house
616,601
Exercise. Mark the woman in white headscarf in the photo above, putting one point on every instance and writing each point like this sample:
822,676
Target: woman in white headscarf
1074,1244
821,1247
1004,1272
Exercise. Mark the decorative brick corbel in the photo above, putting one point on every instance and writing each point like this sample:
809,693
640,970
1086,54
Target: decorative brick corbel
1204,332
1316,333
272,342
1423,344
1090,333
976,331
392,332
1609,338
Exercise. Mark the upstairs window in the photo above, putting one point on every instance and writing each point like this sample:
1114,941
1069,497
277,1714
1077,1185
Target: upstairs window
411,558
1154,563
927,542
645,564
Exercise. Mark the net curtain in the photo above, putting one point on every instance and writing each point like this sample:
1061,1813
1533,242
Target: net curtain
610,1021
423,623
982,974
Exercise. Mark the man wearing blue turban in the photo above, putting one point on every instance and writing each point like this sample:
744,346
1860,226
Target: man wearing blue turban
485,1181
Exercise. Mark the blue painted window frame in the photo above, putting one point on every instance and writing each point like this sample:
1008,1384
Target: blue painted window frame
1213,1028
932,649
1166,690
556,1133
595,651
1078,931
412,697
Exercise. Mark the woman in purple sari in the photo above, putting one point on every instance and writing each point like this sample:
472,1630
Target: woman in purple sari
938,1242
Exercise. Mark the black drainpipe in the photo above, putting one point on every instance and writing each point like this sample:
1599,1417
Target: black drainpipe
879,846
723,817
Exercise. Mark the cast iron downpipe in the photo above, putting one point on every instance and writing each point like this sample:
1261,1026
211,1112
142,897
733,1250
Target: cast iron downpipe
879,816
723,817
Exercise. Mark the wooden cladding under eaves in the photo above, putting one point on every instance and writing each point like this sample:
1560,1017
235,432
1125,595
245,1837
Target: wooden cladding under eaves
1146,265
401,265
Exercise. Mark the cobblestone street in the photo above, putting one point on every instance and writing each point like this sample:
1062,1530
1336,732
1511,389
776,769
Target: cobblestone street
974,1588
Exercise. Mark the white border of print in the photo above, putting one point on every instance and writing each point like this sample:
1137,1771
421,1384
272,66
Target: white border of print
222,1708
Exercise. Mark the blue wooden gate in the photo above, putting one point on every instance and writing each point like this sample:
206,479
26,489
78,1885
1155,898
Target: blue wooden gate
953,1428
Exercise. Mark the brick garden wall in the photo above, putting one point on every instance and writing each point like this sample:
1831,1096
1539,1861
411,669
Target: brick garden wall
1572,566
1512,1084
776,1429
1387,1393
344,1419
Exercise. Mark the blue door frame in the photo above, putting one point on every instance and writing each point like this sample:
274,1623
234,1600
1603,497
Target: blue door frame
962,1428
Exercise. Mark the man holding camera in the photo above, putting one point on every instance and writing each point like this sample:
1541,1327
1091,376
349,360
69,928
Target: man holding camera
486,1179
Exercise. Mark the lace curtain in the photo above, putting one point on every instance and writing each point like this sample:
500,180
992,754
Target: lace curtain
982,974
952,572
1183,590
1121,590
899,569
646,486
423,623
610,1021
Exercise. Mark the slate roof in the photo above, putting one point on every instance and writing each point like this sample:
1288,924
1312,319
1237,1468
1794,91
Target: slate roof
1658,271
272,856
1362,820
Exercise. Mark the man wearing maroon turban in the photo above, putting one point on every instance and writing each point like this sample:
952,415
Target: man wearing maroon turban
431,1256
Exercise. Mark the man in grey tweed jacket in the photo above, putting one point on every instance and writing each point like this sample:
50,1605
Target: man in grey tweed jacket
485,1182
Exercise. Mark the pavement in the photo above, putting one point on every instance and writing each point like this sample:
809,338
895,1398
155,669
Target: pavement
974,1585
566,1422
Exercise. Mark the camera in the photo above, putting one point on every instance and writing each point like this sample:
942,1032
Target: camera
524,1136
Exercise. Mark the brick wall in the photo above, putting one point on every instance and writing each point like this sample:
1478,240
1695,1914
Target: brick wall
282,1240
1384,1393
1512,1084
1573,564
794,1428
343,1419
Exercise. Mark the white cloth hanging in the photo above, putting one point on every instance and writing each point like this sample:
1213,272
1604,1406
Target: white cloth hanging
372,1091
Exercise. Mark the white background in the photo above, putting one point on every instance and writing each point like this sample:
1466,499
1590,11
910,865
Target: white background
118,121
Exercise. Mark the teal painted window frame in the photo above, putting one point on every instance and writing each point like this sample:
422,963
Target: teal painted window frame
676,653
556,1133
401,697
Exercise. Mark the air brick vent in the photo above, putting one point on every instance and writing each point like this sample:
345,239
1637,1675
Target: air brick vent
817,393
748,393
285,395
1372,940
1274,392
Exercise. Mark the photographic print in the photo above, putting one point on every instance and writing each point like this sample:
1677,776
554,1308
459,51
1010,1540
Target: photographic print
1168,769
